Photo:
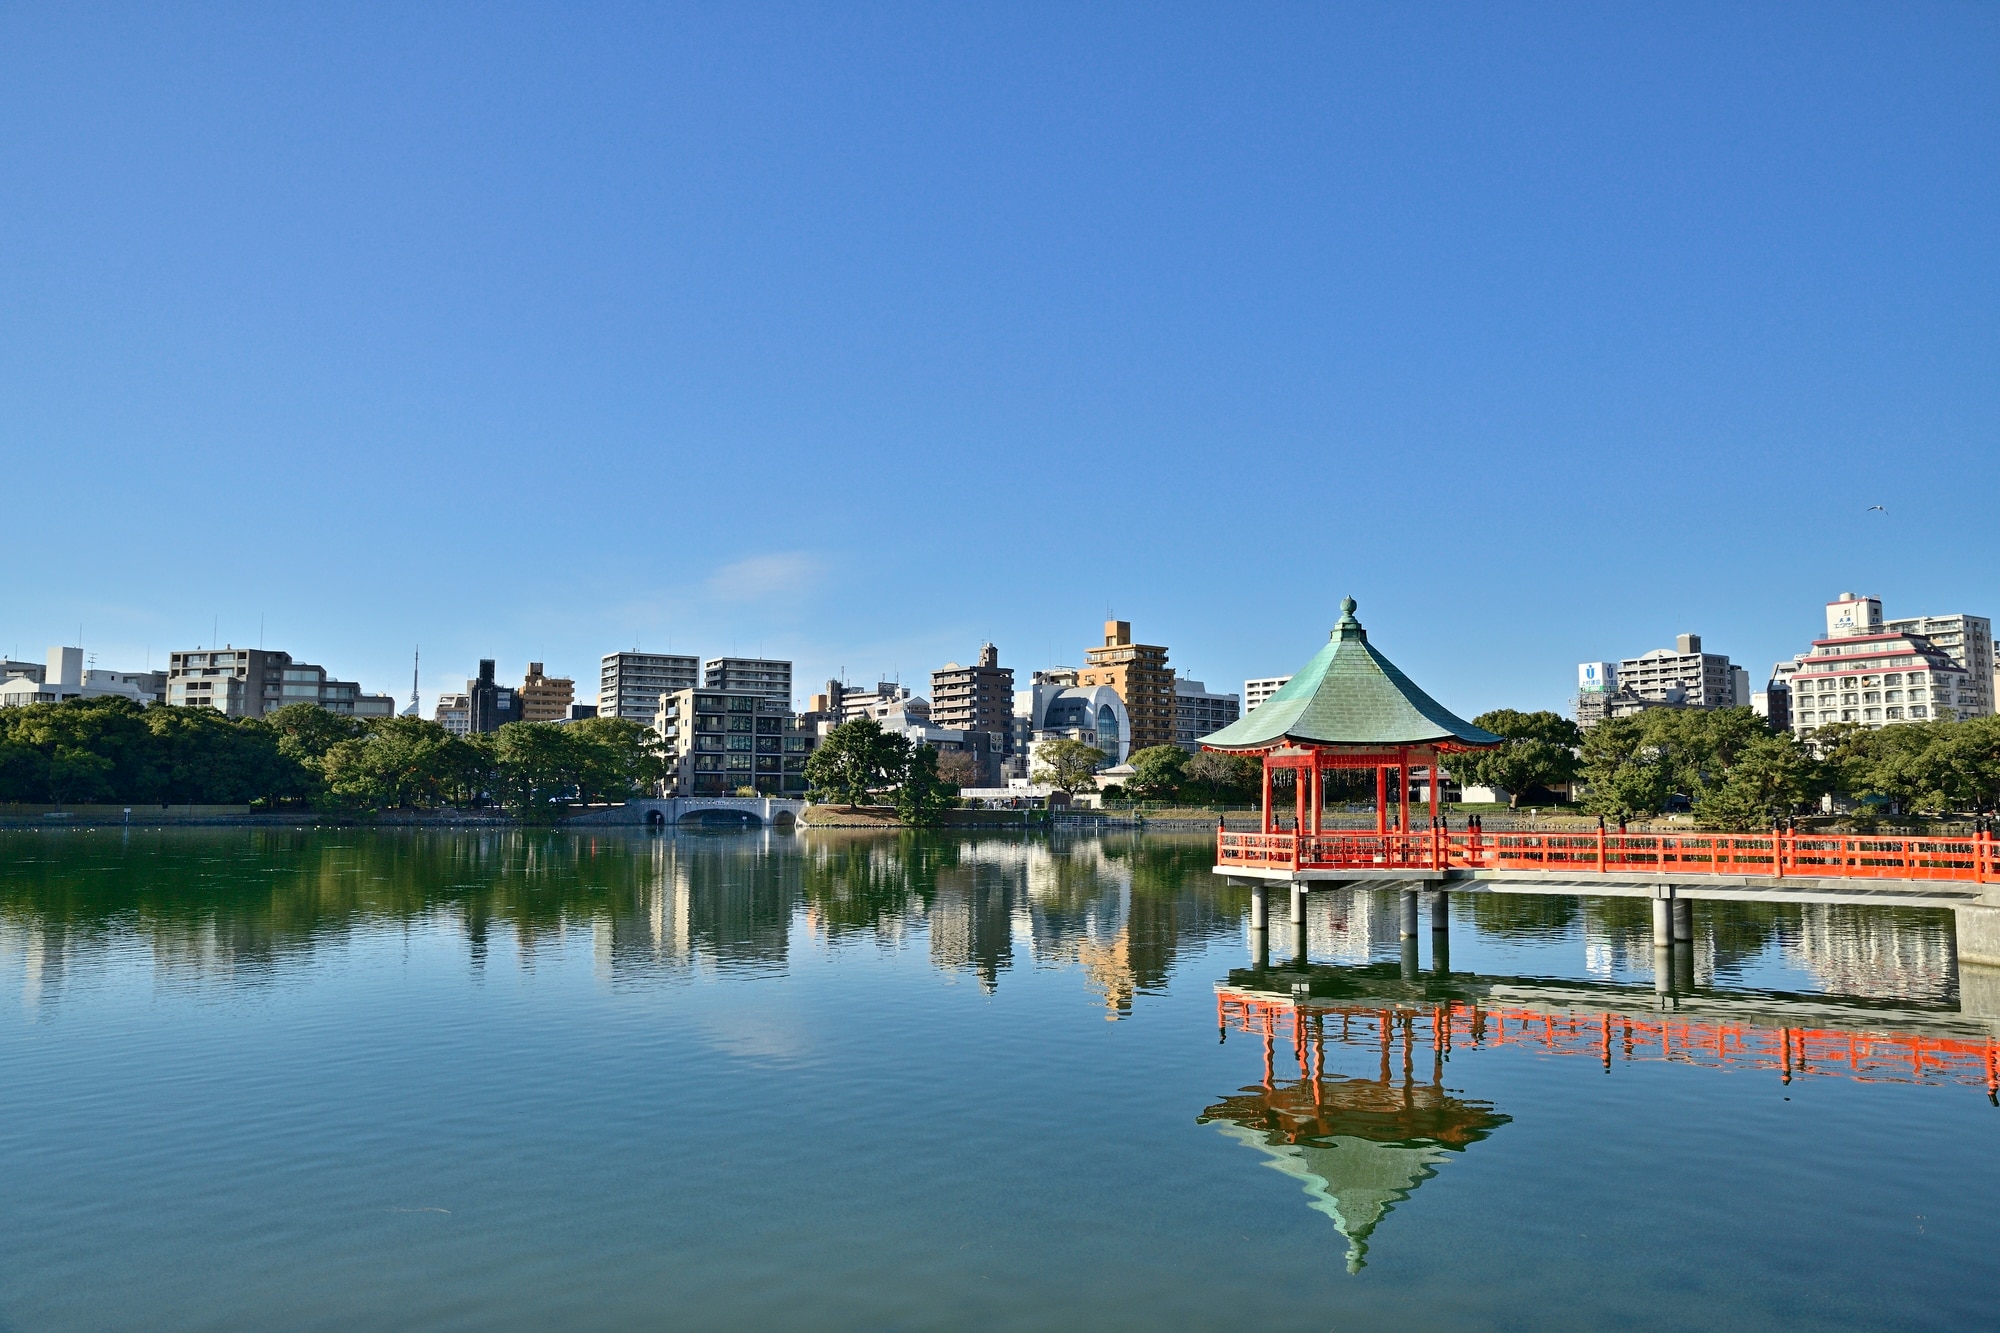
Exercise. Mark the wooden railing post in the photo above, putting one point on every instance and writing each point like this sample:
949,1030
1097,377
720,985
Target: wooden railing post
1600,844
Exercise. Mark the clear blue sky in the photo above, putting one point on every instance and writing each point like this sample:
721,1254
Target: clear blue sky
860,334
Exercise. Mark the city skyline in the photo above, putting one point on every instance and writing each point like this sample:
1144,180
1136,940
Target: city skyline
1580,330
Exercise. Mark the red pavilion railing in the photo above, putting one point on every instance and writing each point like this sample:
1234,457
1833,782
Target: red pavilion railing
1965,859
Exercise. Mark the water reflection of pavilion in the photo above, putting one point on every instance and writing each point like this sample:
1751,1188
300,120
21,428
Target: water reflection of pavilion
1361,1145
1358,1147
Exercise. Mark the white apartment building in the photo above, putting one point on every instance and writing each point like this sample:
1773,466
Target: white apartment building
629,685
454,713
1684,675
1199,712
1864,673
765,678
66,677
1256,692
1968,641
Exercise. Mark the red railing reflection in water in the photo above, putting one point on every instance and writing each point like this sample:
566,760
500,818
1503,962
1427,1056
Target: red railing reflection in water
1867,1057
1964,860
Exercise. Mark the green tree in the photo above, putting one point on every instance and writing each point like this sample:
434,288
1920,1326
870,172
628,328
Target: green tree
1070,766
405,763
1770,778
535,766
855,760
1157,772
921,795
1623,770
959,768
1539,750
1224,776
305,732
618,759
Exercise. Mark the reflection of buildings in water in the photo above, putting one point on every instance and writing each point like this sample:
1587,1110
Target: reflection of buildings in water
1346,925
971,923
699,906
1866,951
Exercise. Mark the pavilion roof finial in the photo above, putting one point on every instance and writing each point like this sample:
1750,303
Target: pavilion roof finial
1348,627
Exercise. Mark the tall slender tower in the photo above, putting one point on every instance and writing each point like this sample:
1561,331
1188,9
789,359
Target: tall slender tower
416,660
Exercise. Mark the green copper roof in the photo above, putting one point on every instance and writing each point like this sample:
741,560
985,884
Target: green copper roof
1349,694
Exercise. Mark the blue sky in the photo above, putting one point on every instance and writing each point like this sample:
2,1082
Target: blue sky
859,335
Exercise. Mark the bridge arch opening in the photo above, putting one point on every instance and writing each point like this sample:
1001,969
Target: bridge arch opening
714,817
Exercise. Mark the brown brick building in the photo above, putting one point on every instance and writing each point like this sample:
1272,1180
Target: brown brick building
1139,672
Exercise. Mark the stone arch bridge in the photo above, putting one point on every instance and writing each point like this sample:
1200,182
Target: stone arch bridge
765,811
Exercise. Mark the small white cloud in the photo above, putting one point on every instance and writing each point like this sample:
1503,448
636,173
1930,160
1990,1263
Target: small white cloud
764,576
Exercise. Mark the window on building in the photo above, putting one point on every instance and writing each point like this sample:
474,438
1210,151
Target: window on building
1918,710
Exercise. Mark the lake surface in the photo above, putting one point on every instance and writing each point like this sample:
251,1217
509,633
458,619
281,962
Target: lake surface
338,1079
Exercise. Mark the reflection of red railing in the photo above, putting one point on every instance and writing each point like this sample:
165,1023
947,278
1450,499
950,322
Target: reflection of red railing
1969,859
1869,1057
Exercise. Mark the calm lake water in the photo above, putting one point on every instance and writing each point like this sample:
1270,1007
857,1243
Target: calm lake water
337,1079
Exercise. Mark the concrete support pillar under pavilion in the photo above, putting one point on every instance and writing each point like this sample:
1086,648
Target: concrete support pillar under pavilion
1409,914
1298,901
1683,921
1260,907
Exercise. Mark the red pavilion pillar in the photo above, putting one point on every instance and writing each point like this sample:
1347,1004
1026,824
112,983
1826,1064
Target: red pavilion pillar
1381,799
1267,793
1402,791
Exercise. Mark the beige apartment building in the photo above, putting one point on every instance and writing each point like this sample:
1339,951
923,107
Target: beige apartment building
546,698
1142,678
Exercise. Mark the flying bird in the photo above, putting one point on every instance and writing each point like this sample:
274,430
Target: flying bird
1874,509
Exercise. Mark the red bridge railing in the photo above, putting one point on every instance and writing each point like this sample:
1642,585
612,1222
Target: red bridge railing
1966,859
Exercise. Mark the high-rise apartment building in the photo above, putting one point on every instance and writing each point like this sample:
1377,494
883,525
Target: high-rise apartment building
1139,672
1256,692
749,675
1683,675
718,742
1968,641
1199,712
546,698
974,698
489,704
1865,673
250,682
629,685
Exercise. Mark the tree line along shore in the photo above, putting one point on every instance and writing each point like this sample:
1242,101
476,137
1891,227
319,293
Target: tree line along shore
1727,768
